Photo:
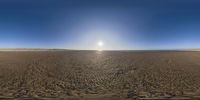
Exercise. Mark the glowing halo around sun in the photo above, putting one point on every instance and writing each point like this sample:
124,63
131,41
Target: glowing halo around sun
100,45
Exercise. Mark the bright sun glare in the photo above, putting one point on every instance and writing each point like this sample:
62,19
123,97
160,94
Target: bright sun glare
100,44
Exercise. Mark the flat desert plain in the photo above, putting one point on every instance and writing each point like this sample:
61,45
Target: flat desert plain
95,75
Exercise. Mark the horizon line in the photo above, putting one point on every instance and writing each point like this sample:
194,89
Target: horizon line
29,49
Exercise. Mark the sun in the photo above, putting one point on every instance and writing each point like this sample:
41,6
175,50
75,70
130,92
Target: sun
100,43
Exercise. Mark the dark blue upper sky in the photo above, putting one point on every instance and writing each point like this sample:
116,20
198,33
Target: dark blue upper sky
119,24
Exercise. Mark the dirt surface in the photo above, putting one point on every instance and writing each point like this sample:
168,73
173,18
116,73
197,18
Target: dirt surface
92,75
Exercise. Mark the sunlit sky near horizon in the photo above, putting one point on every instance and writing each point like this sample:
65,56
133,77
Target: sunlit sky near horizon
83,24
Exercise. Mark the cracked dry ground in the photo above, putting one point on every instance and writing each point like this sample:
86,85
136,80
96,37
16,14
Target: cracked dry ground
92,75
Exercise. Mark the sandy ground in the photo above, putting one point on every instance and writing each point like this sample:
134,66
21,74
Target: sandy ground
92,75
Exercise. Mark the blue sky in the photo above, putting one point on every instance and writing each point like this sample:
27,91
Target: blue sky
80,24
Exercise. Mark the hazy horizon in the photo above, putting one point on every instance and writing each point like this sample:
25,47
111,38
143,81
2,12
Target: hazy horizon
174,49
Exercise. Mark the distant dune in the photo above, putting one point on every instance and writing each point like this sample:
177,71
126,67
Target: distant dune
193,49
